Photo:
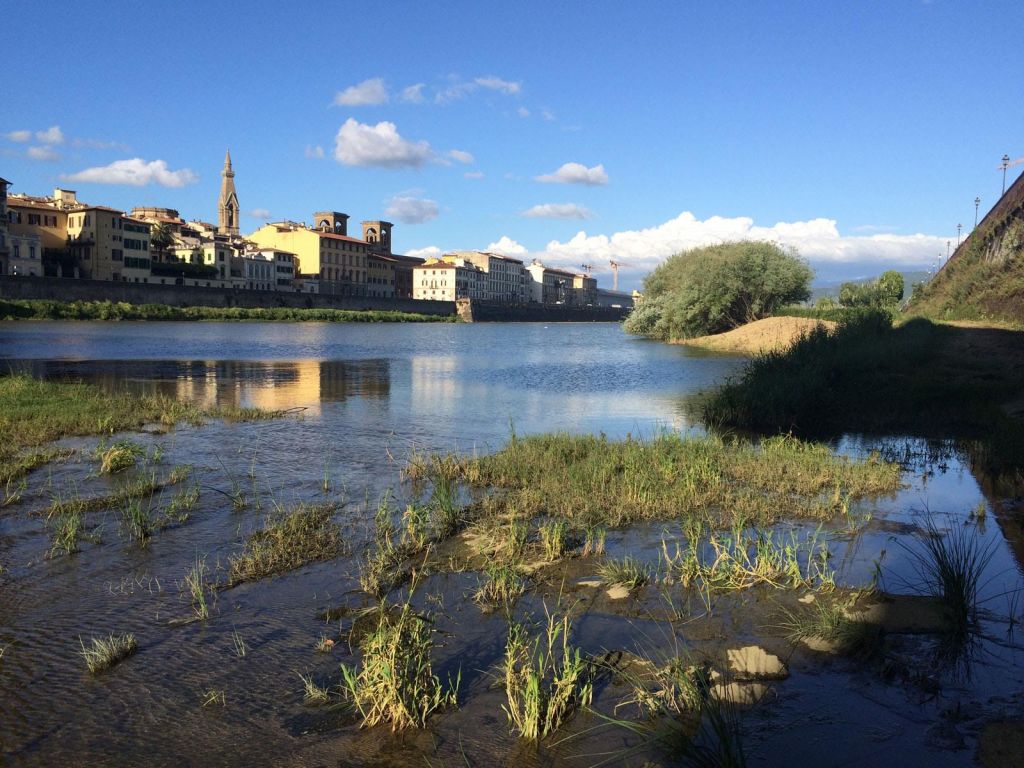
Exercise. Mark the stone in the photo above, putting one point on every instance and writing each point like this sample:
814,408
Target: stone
592,583
618,592
753,663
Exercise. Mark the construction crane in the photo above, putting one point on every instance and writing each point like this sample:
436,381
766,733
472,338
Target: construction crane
615,274
588,268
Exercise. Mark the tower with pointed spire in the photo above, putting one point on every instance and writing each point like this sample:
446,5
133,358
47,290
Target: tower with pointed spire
227,209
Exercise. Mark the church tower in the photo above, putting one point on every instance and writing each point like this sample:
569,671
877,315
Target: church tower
227,209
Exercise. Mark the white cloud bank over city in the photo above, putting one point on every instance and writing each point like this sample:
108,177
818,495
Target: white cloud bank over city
817,240
136,173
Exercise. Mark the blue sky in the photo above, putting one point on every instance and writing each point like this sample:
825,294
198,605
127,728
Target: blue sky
859,133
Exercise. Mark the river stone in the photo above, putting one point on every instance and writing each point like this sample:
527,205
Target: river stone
753,663
806,599
594,583
739,694
820,644
618,592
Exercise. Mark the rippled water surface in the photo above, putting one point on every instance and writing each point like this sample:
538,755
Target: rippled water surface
366,395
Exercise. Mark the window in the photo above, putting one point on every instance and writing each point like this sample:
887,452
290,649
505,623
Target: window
33,219
116,254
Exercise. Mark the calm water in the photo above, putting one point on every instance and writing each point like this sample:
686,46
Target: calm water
369,394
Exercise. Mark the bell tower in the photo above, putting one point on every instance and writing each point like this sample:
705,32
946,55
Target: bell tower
227,209
378,235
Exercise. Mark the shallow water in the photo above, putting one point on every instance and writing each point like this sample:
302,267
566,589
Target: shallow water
370,394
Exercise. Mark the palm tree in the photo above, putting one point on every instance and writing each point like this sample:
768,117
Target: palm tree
161,238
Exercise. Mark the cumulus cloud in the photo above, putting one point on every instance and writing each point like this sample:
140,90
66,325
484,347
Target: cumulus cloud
19,136
411,210
558,211
315,153
135,172
260,213
413,94
429,252
378,145
817,240
367,93
474,174
462,157
42,153
52,135
506,246
576,173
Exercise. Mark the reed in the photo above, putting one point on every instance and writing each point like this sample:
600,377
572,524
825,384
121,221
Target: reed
288,540
104,652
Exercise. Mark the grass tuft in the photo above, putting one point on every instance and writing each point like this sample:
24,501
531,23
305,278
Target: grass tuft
501,586
628,572
104,652
287,541
120,456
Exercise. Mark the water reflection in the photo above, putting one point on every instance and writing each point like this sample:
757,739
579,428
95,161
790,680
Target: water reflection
271,384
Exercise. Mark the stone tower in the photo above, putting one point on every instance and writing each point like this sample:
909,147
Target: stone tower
378,234
227,209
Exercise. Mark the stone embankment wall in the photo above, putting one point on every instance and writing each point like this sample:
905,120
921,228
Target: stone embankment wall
476,311
65,289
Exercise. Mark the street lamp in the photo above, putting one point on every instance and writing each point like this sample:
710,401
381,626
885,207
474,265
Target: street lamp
947,250
958,228
977,202
1004,166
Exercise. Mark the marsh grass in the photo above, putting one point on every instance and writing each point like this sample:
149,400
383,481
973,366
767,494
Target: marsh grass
68,529
214,697
288,540
120,456
183,503
671,688
554,539
546,678
746,558
137,488
594,540
324,644
238,646
951,564
104,652
16,466
395,682
829,621
137,520
500,587
591,481
196,585
313,693
627,572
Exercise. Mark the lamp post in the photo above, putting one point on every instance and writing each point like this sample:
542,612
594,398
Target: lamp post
977,202
958,228
947,250
1004,166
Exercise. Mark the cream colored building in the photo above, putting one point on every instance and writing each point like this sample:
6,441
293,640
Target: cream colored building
558,286
325,253
448,280
507,279
96,235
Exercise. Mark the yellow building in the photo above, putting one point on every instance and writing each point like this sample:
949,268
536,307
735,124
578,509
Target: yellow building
380,280
97,237
325,253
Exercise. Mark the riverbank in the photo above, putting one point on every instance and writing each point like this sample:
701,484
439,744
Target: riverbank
772,334
110,310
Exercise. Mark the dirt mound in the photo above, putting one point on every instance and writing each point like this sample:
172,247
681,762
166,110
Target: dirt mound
770,334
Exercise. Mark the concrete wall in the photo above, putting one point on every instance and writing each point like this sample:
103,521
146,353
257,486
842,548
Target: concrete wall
64,289
494,312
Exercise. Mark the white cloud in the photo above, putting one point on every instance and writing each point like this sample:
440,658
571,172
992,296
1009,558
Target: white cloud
260,213
474,174
523,112
576,173
506,246
413,94
558,211
314,153
411,210
493,83
367,93
430,252
19,136
378,145
42,153
52,135
817,240
462,157
135,172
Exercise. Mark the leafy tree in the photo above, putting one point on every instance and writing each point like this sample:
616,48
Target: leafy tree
886,291
161,238
717,288
890,288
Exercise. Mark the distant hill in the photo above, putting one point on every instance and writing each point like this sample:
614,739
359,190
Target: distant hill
984,279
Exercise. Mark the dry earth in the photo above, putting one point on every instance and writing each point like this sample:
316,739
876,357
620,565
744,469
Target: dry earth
768,335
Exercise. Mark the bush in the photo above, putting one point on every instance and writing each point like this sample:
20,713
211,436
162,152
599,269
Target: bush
719,287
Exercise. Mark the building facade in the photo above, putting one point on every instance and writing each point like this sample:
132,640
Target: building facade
4,241
438,280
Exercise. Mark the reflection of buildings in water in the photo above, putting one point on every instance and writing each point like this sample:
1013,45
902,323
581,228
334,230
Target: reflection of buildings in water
272,385
436,390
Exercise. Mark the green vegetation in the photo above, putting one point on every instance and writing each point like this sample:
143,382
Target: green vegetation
110,310
396,683
828,621
716,288
103,653
628,572
886,291
120,456
546,680
984,280
195,583
313,693
867,376
590,480
501,587
289,539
